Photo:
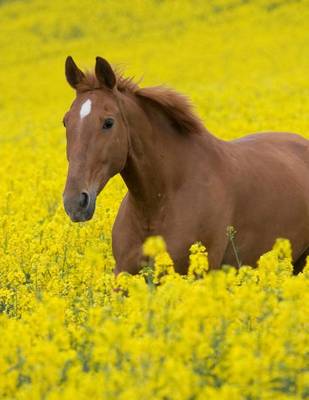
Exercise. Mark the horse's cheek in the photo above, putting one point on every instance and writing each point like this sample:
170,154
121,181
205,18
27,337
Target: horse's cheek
113,156
118,152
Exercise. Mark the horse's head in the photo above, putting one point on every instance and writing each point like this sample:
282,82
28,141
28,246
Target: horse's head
97,142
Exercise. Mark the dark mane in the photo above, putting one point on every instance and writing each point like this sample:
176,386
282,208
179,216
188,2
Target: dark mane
175,105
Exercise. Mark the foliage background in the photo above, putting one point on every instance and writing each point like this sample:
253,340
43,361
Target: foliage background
65,333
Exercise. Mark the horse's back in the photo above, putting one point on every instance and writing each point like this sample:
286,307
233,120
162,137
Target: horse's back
279,159
290,142
290,150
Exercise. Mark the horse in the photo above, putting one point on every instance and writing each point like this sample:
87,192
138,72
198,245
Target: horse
184,183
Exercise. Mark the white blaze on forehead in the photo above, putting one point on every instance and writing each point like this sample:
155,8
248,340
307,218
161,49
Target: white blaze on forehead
85,109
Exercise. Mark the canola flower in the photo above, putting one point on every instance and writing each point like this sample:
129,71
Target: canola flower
67,331
224,334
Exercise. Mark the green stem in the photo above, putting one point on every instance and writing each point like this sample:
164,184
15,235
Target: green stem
231,233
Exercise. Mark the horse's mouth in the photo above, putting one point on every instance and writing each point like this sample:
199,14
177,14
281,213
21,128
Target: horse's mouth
81,217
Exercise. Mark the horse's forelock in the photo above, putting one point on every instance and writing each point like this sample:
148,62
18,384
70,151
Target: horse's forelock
91,82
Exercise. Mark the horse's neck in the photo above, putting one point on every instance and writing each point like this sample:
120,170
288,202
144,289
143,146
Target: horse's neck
160,158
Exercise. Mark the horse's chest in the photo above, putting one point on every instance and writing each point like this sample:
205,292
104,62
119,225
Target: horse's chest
154,226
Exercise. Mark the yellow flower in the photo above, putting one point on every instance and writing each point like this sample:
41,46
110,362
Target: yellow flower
198,266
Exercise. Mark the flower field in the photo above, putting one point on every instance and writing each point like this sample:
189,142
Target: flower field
66,332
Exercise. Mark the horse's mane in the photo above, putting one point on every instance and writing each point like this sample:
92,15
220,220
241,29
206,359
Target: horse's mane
175,105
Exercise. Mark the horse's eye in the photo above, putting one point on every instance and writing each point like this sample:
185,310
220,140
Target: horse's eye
108,123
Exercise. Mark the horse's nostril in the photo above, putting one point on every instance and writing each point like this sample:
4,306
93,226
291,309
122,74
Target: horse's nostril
84,200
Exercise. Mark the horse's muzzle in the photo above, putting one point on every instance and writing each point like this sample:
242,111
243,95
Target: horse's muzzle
80,207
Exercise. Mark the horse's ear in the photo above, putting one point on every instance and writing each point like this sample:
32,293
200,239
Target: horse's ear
73,74
105,73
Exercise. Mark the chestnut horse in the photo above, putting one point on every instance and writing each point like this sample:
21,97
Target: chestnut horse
183,183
